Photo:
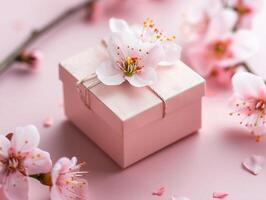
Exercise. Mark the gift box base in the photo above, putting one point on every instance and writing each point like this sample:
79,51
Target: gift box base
133,146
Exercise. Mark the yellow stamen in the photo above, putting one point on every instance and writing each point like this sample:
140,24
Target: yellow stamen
258,138
158,35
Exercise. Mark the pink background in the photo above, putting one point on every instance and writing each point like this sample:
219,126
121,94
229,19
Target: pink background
195,167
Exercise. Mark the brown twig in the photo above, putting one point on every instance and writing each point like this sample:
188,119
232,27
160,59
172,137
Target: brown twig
246,67
37,33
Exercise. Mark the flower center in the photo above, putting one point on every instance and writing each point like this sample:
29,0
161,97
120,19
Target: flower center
253,110
130,66
71,179
14,163
242,9
221,49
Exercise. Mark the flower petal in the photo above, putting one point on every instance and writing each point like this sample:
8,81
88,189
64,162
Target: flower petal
254,164
56,172
164,55
219,195
248,85
245,44
61,190
38,162
146,77
224,76
120,46
159,192
179,198
227,18
108,75
118,25
16,187
200,60
4,146
154,56
55,194
62,165
79,191
25,138
116,47
172,53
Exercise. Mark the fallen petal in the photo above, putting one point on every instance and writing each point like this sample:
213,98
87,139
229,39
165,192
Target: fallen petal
219,195
254,164
179,198
48,122
159,192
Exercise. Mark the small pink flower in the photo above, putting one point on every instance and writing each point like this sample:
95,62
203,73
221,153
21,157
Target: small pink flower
48,122
221,48
249,102
246,9
32,58
134,53
196,19
20,158
67,181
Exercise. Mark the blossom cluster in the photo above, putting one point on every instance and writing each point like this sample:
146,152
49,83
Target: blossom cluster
219,38
248,101
21,159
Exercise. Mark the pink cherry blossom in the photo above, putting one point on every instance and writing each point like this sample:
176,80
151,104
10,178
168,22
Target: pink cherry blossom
48,122
20,158
195,20
31,58
134,53
67,181
249,102
246,10
221,48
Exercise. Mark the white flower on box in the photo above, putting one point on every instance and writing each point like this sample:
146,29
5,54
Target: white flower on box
134,52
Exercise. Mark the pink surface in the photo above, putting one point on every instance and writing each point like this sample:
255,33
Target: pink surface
195,167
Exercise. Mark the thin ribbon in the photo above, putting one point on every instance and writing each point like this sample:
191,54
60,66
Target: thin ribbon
86,97
160,97
94,81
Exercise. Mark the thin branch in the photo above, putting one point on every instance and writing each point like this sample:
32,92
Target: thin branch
246,67
37,33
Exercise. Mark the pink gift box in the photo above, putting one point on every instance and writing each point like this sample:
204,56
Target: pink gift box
127,122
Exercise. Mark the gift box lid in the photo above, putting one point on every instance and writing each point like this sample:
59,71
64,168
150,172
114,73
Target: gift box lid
125,107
